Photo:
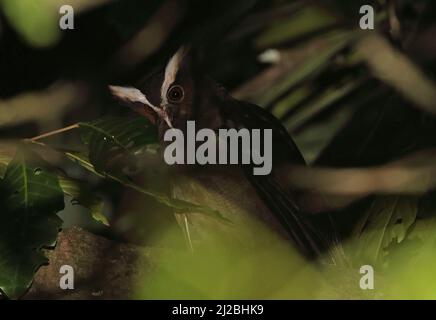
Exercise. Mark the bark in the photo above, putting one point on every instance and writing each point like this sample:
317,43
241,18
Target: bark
103,269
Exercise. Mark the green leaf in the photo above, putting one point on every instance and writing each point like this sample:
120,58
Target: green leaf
83,195
79,191
288,103
388,220
314,63
406,77
36,21
325,99
179,206
30,197
315,137
109,139
304,21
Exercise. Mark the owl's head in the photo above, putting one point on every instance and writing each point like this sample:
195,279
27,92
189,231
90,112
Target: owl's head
175,94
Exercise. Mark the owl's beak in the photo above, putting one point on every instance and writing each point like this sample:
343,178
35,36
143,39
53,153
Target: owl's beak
137,101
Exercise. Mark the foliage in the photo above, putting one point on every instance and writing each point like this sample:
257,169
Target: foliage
359,105
30,196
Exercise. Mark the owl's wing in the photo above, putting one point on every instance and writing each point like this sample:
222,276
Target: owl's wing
280,199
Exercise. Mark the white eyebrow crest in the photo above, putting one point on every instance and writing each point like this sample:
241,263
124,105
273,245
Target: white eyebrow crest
131,95
171,71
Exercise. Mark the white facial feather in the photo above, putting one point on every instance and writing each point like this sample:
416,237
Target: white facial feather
133,95
171,71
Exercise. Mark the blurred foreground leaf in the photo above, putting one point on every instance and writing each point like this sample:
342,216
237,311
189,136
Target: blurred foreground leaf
398,71
219,270
328,97
315,63
56,99
387,221
411,264
36,21
307,20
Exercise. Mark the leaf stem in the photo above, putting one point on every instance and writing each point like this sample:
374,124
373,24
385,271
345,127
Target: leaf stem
54,132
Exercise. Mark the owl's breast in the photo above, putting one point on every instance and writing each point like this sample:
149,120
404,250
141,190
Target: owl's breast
229,192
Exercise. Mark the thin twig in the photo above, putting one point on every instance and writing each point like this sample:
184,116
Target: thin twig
54,132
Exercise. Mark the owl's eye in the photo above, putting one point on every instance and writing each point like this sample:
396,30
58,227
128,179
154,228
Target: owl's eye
175,94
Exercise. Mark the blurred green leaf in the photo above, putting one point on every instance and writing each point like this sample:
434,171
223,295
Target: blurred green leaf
217,270
314,63
31,197
387,221
293,99
36,21
325,99
304,21
315,137
411,264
